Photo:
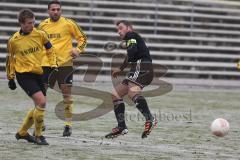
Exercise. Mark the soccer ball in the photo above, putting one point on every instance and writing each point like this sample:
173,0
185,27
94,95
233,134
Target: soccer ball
220,127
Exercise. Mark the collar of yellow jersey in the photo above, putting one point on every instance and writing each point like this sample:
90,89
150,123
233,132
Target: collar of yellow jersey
23,33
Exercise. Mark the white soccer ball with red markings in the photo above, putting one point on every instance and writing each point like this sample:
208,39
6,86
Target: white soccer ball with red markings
220,127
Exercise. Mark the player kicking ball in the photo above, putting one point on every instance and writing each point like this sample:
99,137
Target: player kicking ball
139,76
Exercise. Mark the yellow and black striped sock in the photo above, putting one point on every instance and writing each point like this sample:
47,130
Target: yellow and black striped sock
27,123
38,116
68,106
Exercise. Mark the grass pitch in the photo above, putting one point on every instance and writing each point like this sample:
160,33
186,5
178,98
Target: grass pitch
184,115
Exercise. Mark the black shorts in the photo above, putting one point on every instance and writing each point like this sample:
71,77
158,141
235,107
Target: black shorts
31,83
140,74
64,75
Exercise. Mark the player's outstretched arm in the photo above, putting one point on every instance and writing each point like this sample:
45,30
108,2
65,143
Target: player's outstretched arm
124,64
117,71
10,67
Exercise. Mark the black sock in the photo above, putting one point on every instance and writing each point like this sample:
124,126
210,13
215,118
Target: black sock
119,109
142,106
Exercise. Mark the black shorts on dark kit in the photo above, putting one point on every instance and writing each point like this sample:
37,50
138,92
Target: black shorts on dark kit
140,74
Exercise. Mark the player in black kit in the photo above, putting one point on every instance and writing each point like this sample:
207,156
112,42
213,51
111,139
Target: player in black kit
139,76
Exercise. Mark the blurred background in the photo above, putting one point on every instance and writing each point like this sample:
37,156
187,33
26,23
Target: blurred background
197,40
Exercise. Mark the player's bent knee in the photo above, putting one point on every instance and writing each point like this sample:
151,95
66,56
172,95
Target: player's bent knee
39,99
42,104
131,95
136,97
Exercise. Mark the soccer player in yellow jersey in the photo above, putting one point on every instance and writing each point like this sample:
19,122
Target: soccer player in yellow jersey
24,58
61,32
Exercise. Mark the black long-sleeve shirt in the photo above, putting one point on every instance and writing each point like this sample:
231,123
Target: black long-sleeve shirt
136,48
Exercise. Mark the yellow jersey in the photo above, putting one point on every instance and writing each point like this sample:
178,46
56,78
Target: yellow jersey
25,53
61,34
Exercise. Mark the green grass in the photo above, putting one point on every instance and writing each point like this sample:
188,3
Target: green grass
184,114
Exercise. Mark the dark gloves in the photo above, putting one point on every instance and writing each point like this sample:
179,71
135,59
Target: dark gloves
12,84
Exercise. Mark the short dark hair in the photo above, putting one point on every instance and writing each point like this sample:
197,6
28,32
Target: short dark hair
125,22
24,14
54,2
